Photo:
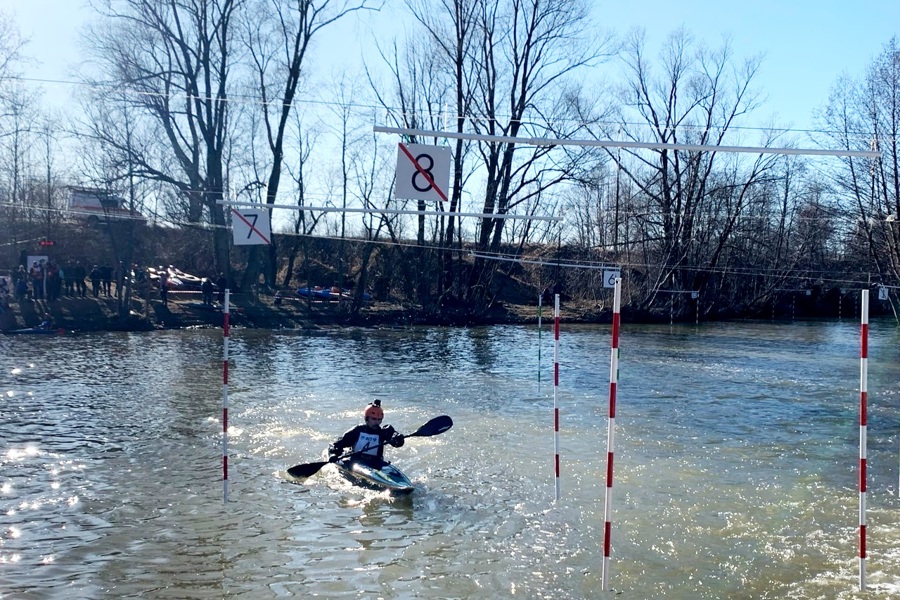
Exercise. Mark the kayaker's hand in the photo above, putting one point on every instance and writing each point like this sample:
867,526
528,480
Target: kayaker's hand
398,440
333,453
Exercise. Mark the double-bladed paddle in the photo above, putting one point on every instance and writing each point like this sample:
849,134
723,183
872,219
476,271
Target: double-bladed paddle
435,426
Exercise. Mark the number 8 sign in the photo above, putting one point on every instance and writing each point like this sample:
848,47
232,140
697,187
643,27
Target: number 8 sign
423,172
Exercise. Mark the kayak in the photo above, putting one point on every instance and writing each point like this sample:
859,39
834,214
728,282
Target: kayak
321,294
332,294
387,477
36,331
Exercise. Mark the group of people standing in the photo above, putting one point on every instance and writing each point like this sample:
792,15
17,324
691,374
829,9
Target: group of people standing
43,280
48,280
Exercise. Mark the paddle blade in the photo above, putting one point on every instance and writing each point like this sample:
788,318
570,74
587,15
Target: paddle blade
306,469
433,427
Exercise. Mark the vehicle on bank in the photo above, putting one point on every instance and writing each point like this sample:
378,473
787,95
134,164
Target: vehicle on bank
96,206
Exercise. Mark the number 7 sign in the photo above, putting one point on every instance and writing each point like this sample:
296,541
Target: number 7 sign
423,172
250,227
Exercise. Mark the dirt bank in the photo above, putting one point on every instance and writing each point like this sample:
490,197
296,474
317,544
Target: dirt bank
186,310
183,311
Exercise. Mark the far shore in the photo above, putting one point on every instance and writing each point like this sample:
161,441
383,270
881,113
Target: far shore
184,310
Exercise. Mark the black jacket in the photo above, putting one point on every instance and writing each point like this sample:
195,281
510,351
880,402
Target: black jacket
369,441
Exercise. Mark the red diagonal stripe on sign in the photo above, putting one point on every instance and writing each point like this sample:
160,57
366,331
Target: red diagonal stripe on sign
252,228
423,172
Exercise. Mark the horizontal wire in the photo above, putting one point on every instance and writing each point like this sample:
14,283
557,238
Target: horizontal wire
250,99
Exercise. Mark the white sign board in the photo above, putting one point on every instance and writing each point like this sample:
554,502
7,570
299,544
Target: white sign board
882,293
423,172
251,227
609,278
40,260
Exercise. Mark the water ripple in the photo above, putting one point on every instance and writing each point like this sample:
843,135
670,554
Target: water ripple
735,472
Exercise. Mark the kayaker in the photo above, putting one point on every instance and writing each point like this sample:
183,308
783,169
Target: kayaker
368,439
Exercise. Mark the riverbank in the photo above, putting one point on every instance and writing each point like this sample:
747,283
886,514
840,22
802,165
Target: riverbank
184,310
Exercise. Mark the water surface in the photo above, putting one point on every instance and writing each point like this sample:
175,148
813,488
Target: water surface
735,473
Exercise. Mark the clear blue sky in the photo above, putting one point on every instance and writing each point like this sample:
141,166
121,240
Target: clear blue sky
807,45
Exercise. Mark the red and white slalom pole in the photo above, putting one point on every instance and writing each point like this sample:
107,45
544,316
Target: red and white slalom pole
610,435
863,424
540,309
556,388
225,331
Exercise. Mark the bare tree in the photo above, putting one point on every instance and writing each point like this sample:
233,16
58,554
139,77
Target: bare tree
175,58
451,31
304,222
12,46
17,112
693,201
19,158
511,68
864,114
278,35
112,169
527,57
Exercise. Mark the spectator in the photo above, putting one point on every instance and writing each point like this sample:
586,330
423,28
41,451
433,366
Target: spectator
164,286
78,275
5,291
20,284
221,284
119,276
106,272
96,278
21,289
68,279
140,276
53,281
37,280
206,289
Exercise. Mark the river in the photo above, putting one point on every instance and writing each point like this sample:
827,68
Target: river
735,464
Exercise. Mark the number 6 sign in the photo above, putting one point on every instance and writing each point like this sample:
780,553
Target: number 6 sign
609,278
423,172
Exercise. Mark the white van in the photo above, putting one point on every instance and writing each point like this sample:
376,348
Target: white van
98,206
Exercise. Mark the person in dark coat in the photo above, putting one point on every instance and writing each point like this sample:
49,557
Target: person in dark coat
96,277
106,273
164,286
221,284
206,290
368,439
78,275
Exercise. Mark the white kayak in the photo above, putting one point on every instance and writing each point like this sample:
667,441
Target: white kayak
386,477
